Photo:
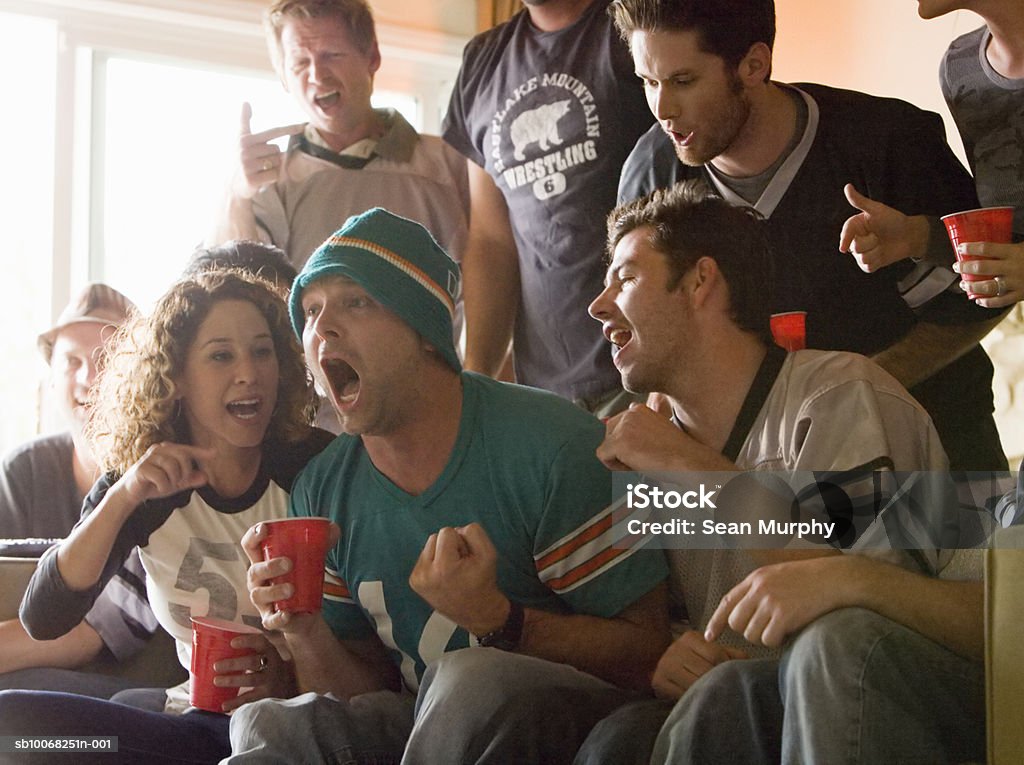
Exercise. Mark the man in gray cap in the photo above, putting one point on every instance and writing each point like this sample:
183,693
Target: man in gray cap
472,513
42,484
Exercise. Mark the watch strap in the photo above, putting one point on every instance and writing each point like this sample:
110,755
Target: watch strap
506,637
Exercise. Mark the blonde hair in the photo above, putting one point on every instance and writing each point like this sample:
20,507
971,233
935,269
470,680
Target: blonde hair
354,14
134,403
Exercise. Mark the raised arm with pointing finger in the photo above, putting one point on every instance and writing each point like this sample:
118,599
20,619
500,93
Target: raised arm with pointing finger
258,165
349,156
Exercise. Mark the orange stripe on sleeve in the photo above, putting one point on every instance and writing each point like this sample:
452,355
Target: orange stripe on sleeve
588,534
337,590
586,569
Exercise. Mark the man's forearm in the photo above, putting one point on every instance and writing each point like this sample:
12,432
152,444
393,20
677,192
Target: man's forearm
324,664
491,297
490,276
623,650
927,348
19,651
949,612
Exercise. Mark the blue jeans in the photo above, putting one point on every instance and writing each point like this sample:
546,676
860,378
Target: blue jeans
143,736
65,681
853,687
626,736
476,705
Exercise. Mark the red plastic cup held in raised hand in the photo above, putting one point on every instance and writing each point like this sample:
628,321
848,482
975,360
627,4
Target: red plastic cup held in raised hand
304,542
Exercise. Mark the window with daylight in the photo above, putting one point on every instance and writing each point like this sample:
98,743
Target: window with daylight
167,144
120,130
27,45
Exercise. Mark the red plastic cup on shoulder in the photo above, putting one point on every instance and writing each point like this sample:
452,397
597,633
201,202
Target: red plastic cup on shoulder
303,541
789,330
988,224
211,642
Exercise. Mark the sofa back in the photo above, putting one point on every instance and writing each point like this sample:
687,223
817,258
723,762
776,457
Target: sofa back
155,666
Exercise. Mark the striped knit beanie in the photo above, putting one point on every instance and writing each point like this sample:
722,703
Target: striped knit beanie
400,265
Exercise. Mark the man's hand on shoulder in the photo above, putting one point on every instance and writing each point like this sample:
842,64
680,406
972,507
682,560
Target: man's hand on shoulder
457,575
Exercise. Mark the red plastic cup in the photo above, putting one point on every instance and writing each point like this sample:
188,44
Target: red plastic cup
989,224
304,542
211,642
790,330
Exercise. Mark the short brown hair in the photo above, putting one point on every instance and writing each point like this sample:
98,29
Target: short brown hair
263,260
725,28
685,224
354,14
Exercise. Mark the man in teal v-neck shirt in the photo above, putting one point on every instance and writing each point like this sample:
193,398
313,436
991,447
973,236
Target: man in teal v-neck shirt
472,513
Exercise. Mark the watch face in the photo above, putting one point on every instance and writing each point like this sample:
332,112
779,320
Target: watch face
497,641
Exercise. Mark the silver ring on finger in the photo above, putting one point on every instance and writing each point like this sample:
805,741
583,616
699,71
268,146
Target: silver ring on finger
267,164
264,662
1000,286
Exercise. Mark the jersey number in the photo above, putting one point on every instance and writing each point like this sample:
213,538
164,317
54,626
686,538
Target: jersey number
191,578
437,632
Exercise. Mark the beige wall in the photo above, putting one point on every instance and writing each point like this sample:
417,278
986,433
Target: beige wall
452,17
877,46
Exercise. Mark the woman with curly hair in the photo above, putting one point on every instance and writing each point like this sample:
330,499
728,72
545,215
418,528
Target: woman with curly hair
201,421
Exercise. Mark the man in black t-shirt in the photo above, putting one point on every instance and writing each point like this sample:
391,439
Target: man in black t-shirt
545,109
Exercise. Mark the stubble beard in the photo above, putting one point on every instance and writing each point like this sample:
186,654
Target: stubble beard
725,132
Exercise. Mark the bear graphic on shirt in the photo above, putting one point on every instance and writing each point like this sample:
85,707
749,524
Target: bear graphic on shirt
538,126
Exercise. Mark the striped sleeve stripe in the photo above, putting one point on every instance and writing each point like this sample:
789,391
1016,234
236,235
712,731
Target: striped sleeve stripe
131,604
335,588
401,264
594,528
589,552
586,571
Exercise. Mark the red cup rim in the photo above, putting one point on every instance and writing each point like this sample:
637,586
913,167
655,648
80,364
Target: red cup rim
788,313
317,518
225,625
977,209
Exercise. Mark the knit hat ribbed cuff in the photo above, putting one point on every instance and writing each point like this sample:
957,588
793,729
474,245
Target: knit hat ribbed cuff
400,265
